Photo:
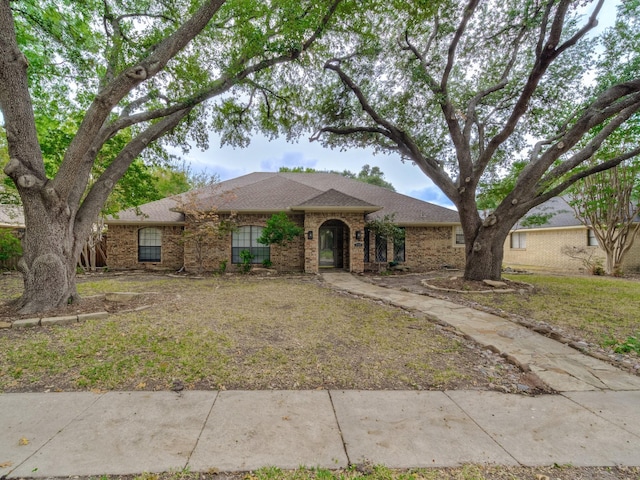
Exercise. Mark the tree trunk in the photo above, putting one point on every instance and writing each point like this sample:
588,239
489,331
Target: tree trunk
50,256
484,240
484,255
610,265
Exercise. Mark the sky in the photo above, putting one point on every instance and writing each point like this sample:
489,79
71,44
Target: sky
263,155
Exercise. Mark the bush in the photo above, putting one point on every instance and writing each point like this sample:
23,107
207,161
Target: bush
10,246
246,256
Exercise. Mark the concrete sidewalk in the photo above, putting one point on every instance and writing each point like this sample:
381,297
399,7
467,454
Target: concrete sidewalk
66,434
595,421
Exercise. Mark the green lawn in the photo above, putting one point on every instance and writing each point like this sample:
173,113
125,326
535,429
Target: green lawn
597,308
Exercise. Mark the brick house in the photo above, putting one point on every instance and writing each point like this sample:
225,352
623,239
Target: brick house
545,247
332,210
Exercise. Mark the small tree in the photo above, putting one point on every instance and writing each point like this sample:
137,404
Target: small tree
280,230
88,256
387,230
608,203
202,225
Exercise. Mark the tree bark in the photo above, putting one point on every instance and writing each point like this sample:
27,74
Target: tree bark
484,255
50,255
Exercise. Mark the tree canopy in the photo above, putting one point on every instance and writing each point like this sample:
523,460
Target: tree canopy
96,84
473,91
370,175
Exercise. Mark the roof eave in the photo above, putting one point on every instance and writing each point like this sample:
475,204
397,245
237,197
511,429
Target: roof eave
145,222
428,224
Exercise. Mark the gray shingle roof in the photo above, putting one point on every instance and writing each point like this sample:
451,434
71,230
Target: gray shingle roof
334,198
275,192
562,214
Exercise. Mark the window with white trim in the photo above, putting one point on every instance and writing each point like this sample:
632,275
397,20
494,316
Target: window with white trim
246,238
149,245
592,240
519,240
459,234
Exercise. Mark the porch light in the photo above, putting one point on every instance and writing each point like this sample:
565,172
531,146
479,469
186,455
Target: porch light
310,235
358,235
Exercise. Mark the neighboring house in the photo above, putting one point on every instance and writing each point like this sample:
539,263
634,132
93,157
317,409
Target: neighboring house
547,247
332,209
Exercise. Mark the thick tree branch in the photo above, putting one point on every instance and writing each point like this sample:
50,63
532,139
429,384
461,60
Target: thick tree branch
402,139
453,46
502,83
99,192
16,106
601,167
595,115
591,24
546,53
218,87
110,96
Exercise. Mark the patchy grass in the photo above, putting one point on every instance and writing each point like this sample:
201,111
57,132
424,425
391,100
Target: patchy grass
378,472
244,333
596,308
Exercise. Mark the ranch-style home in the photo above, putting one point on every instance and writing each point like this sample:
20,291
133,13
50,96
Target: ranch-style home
333,211
559,244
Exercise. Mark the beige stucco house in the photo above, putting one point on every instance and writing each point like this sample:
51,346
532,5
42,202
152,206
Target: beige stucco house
547,247
333,211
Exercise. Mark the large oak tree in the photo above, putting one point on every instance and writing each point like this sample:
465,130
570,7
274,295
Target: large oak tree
469,91
106,81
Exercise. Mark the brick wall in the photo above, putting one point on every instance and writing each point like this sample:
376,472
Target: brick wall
122,248
353,249
426,248
216,250
544,251
432,248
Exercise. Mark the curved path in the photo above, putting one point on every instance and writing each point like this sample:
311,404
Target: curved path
561,367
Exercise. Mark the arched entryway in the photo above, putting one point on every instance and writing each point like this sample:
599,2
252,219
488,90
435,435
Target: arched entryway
333,244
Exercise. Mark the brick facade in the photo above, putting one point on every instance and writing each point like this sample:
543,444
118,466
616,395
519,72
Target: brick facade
543,250
217,250
426,248
122,248
352,248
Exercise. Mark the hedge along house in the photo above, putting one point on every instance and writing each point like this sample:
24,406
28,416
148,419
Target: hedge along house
333,211
561,244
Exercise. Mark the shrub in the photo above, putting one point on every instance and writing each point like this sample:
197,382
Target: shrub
10,246
246,257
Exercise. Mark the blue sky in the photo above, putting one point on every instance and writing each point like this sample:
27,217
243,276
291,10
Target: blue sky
264,155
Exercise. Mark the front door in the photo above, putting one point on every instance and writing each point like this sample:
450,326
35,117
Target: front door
330,250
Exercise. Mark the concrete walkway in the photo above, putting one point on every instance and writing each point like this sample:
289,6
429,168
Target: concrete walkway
67,434
558,365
